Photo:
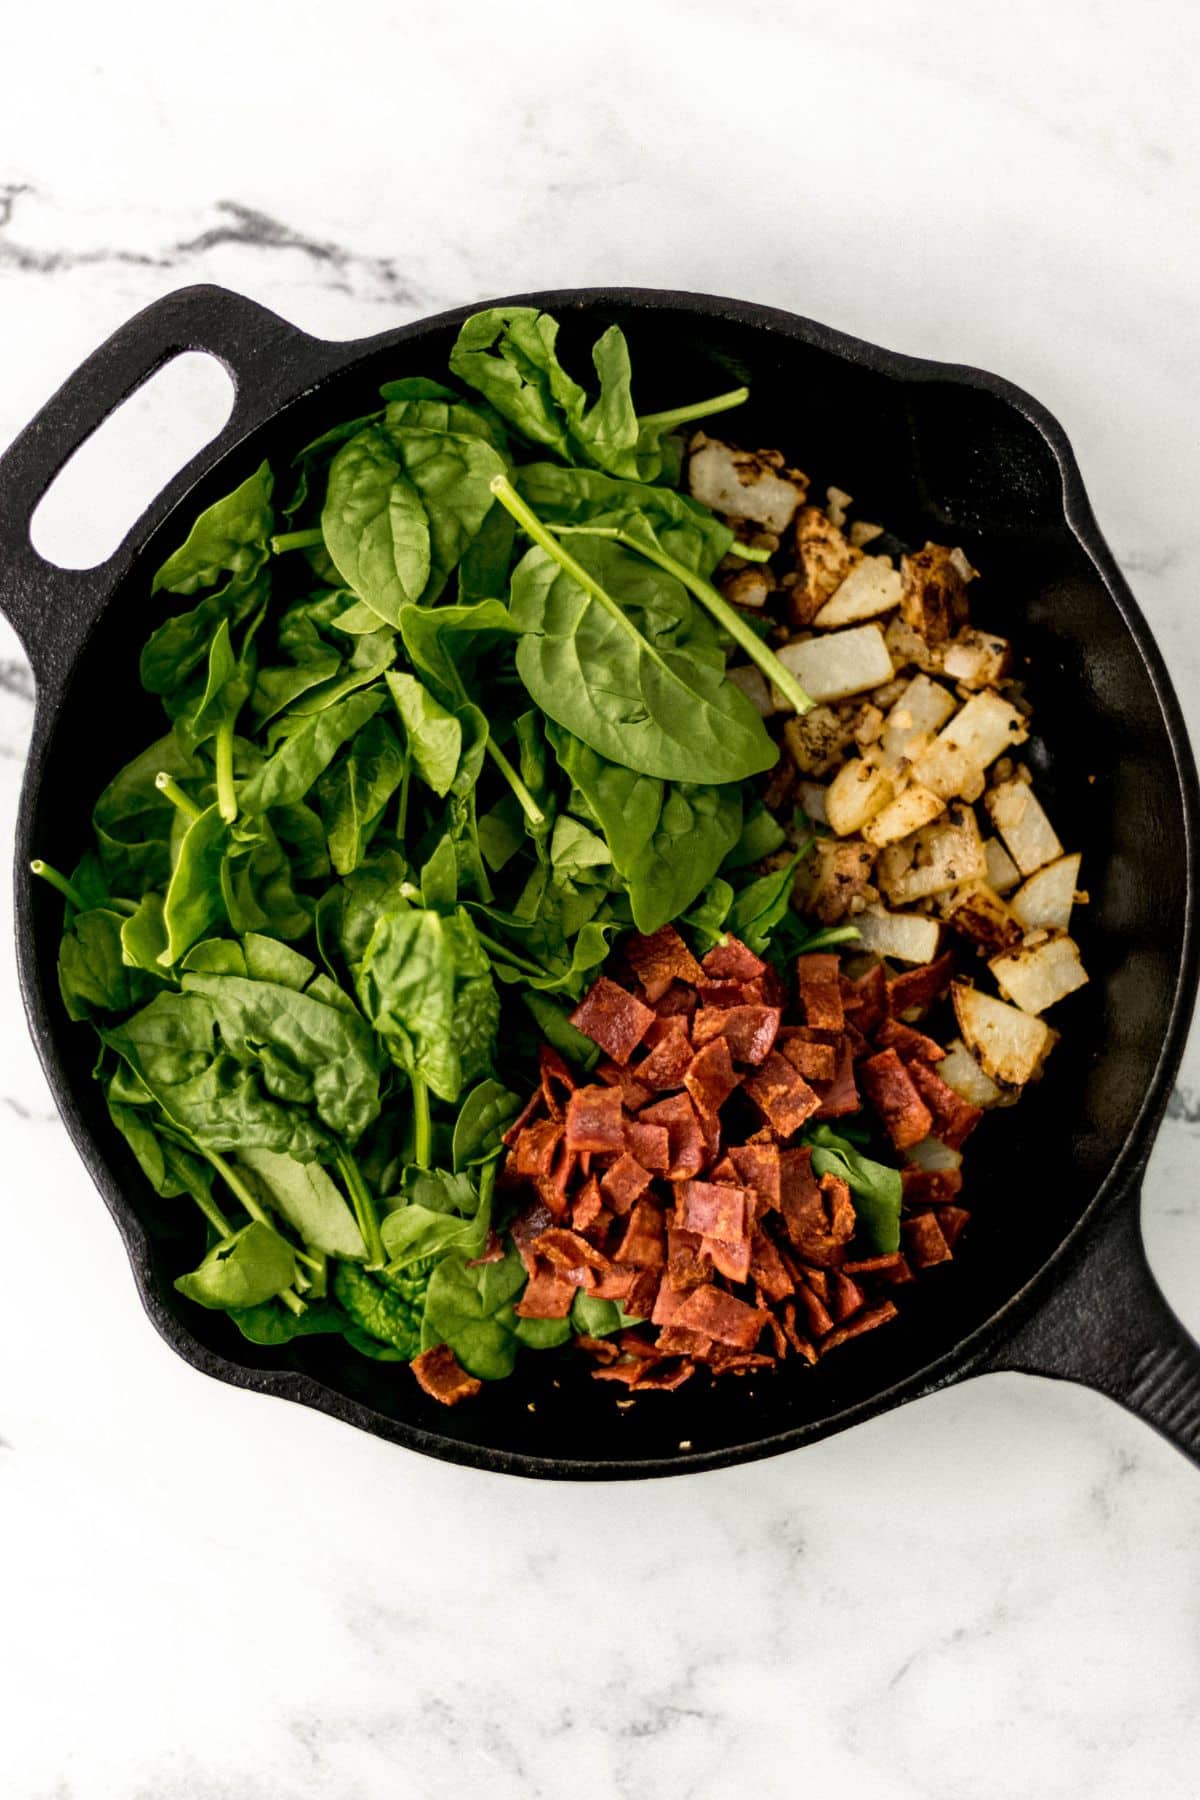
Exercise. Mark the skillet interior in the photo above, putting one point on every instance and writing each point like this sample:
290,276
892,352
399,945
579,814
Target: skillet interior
927,453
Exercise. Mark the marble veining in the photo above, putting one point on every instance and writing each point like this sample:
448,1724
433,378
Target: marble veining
209,1596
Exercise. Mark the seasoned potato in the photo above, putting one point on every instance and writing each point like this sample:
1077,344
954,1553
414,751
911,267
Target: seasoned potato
857,792
977,659
934,602
922,709
872,587
947,769
1044,902
1008,1044
748,587
1017,814
959,1070
1035,978
832,879
906,936
818,739
915,807
863,532
978,913
1002,872
745,484
931,1153
845,662
985,728
908,646
933,860
824,558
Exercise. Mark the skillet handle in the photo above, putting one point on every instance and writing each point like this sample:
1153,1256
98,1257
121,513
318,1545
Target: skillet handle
269,361
1107,1325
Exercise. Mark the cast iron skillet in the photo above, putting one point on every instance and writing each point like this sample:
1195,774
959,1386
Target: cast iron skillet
1053,1278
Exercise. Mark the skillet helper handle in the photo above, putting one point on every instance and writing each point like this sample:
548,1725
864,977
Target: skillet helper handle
1107,1325
269,361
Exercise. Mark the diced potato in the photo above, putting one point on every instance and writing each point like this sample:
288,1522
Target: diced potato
909,937
745,484
1002,872
818,739
935,591
915,807
932,860
931,1153
947,769
811,795
1017,814
836,502
976,658
846,662
1008,1044
823,560
868,724
872,587
857,792
922,709
748,587
959,1070
863,532
984,728
1045,901
978,913
832,878
1035,978
753,684
908,646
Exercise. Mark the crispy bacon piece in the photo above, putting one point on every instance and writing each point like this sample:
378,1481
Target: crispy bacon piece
603,1349
650,1144
569,1253
954,1119
818,1216
873,1265
710,1078
731,961
642,1243
799,1344
615,1284
907,1042
817,1317
667,1374
718,995
678,1002
768,1268
865,1001
815,1062
594,1120
686,1267
612,1018
729,1257
750,1031
669,1056
820,991
924,1240
712,1210
443,1377
889,1087
634,1093
686,1139
721,1316
782,1096
840,1097
643,1292
863,1322
919,988
528,1112
534,1151
588,1211
931,1187
847,1296
677,1340
555,1074
625,1182
548,1295
661,958
952,1219
757,1168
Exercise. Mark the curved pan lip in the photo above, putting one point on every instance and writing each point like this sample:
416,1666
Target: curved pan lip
969,1353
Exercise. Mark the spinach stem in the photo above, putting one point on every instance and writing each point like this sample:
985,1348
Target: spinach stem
514,961
753,553
699,409
402,806
297,540
529,805
69,892
532,526
237,1186
422,1123
293,1302
166,784
226,791
364,1207
212,1213
760,654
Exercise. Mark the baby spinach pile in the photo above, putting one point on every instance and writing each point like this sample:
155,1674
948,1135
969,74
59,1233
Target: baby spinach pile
438,727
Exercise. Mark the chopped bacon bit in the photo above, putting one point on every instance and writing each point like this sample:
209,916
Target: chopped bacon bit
528,1225
873,1265
840,1097
818,1216
778,1338
799,1344
625,1182
677,1340
820,991
555,1073
712,1209
721,995
666,1374
548,1295
627,1370
671,1052
710,1078
954,1119
661,958
614,1284
686,1267
729,1256
865,1321
816,1315
651,1144
633,1093
890,1090
594,1120
757,1168
847,1296
643,1292
670,1298
734,1362
815,1062
769,1269
951,1219
567,1252
865,1001
783,1097
632,1343
530,1110
931,1187
687,1145
603,1349
677,1002
919,988
443,1377
612,1018
642,1245
907,1042
731,961
750,1031
493,1251
587,1209
722,1316
924,1240
534,1151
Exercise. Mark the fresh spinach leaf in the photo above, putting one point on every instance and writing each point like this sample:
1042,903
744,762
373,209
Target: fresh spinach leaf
244,1270
229,538
307,1197
877,1189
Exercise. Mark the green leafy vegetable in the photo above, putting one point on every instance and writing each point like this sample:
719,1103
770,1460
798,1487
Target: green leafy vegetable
877,1189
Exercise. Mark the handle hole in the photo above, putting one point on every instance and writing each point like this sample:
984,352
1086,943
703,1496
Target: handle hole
114,475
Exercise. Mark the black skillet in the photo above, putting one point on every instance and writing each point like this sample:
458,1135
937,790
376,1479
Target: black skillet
1052,1278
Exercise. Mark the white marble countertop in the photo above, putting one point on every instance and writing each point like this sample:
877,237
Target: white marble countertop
210,1596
